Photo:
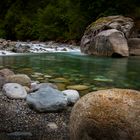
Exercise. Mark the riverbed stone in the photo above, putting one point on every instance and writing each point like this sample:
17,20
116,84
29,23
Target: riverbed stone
59,80
78,87
14,91
112,114
22,79
47,100
72,96
6,72
90,40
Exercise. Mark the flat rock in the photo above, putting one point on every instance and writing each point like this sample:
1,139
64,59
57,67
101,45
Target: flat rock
78,87
47,100
14,91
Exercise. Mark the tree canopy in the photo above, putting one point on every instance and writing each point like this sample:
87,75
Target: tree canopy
57,19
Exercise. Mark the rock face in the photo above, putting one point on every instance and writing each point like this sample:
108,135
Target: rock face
47,100
107,115
134,46
21,79
14,91
120,23
109,43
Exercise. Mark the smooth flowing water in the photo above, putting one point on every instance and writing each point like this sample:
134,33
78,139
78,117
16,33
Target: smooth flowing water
95,72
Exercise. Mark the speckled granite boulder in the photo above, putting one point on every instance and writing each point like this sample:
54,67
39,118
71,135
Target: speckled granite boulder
47,100
112,114
14,91
21,79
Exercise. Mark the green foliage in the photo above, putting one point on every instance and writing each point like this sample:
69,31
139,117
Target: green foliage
57,19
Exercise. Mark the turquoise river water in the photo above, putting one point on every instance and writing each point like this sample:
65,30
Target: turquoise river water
95,72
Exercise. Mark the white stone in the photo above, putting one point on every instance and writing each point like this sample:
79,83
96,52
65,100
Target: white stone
14,91
72,95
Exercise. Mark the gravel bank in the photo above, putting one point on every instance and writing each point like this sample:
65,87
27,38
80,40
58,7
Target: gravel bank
19,122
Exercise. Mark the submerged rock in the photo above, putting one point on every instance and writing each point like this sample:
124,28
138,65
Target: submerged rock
6,72
78,87
112,114
14,91
47,100
22,79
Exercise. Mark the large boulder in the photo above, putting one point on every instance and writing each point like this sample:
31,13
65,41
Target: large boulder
112,114
120,23
47,100
134,46
109,43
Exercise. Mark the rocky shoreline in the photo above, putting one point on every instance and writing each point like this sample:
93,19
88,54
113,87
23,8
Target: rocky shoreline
8,47
33,111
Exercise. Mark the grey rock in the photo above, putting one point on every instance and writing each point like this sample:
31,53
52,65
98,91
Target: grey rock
134,46
17,134
35,86
14,91
120,23
47,100
72,96
109,43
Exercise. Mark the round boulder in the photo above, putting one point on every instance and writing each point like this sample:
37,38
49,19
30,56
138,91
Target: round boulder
21,79
112,114
14,91
6,72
